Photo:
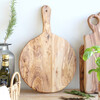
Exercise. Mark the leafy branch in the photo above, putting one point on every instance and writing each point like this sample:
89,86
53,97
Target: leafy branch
88,53
74,92
12,21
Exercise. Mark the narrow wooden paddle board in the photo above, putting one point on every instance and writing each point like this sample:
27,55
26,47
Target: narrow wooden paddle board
47,63
90,80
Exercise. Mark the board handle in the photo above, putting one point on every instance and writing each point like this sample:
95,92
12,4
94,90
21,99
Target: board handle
93,26
46,12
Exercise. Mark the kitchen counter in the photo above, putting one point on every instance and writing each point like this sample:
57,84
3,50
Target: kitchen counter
31,95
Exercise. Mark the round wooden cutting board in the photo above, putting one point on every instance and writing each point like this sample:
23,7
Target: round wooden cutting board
48,62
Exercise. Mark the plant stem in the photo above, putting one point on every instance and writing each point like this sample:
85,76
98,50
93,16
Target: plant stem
94,56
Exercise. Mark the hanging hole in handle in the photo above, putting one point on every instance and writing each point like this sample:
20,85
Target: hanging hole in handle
94,21
46,10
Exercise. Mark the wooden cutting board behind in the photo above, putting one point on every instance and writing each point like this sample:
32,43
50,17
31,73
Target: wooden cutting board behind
47,63
81,67
90,80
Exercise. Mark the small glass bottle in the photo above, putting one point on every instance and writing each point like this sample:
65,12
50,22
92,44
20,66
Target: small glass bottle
5,71
4,49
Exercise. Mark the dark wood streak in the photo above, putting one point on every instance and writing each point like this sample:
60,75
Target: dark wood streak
81,67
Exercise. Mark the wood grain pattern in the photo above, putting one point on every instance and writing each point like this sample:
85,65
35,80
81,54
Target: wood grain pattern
31,95
90,81
81,66
47,63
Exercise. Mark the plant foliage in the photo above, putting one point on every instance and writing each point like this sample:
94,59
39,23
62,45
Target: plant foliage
12,21
74,92
88,53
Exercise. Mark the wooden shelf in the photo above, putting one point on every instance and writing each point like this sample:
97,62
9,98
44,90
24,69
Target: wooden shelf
31,95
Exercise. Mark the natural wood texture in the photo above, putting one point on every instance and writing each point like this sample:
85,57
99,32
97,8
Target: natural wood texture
47,63
90,81
81,65
31,95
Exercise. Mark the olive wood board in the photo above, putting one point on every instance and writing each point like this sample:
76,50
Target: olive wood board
48,62
89,82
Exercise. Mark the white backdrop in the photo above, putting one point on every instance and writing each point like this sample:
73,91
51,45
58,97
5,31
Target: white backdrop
68,20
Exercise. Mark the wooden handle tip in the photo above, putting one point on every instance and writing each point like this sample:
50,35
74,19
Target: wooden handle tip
46,8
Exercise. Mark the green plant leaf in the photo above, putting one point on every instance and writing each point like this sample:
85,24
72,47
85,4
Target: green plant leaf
88,49
97,61
97,48
87,53
95,70
98,75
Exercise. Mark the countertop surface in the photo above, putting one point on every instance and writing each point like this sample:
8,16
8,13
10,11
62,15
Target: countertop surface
32,95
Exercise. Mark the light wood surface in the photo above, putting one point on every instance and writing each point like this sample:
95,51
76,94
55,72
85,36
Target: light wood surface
31,95
48,62
81,65
90,80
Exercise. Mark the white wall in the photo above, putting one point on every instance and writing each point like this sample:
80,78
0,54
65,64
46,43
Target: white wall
68,20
